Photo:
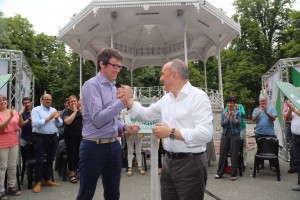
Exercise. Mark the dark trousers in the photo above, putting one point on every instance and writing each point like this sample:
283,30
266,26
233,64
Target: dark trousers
184,178
290,146
45,146
72,144
229,143
261,162
99,159
296,147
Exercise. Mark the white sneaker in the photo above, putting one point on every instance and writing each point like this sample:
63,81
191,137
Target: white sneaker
296,188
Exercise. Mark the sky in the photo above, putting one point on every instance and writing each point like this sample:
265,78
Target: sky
48,16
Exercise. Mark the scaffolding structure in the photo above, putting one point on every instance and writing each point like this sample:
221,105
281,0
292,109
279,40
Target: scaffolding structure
282,66
15,89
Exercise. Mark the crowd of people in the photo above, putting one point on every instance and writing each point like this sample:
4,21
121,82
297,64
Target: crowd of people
89,128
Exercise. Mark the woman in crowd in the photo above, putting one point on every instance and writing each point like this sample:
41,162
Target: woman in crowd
240,107
9,148
133,141
72,118
230,139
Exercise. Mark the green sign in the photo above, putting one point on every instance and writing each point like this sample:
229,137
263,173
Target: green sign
290,92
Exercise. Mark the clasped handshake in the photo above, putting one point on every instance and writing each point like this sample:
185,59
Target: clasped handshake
124,93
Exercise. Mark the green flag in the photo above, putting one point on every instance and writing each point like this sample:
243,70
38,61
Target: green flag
290,92
4,79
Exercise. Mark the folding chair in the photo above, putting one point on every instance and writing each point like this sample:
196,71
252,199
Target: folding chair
267,149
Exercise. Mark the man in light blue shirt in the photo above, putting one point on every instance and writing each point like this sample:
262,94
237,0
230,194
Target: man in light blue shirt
264,116
44,121
100,151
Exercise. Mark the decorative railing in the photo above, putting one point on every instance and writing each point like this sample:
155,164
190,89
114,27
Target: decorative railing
152,51
156,92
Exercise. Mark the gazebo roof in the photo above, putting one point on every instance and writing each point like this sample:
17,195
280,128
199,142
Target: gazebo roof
148,32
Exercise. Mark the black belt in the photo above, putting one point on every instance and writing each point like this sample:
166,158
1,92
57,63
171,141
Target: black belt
182,155
44,134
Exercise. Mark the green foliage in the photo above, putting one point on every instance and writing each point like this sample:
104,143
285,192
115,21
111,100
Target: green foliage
256,50
242,77
1,25
290,37
142,77
196,78
18,35
261,22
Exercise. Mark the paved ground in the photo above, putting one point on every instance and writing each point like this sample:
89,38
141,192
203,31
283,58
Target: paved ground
137,187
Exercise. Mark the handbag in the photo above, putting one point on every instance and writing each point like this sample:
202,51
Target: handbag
140,135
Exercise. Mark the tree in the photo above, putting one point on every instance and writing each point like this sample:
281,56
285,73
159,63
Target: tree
196,78
261,22
18,35
1,27
256,50
290,46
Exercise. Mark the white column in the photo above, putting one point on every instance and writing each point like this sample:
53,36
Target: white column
220,76
185,47
205,75
111,40
155,185
80,75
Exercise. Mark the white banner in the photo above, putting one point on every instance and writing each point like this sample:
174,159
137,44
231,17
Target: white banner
297,68
146,126
271,92
25,84
3,71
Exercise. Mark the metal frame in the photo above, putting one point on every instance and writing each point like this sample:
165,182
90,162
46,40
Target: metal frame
282,66
17,63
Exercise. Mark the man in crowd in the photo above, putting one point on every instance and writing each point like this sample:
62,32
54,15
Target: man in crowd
289,135
100,152
293,115
264,116
25,119
45,120
26,133
186,127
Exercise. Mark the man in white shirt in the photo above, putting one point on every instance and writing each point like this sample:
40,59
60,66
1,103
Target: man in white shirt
186,127
294,116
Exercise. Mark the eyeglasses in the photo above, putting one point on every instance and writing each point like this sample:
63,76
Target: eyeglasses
116,66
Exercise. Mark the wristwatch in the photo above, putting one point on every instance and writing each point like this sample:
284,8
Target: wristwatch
172,135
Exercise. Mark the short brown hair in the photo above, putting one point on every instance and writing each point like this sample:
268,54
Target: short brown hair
107,53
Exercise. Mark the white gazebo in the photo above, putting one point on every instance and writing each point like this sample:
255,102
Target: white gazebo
151,33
